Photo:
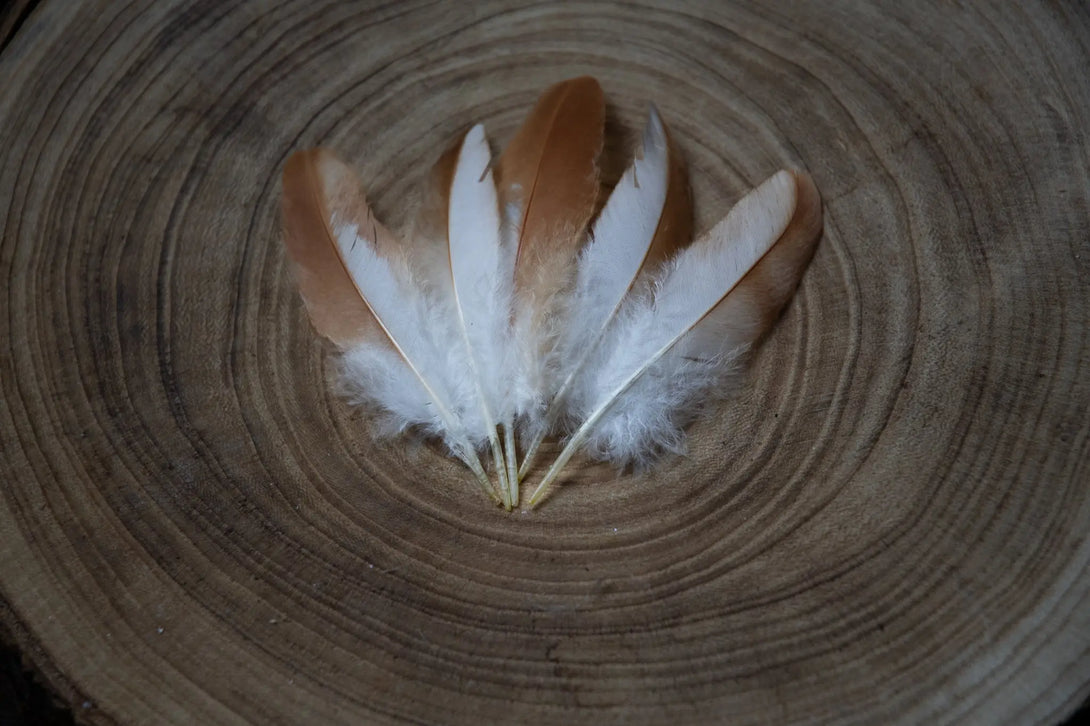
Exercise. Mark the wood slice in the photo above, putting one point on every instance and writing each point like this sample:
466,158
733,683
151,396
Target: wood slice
888,523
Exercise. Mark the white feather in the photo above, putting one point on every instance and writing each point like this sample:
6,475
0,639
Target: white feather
612,259
481,270
412,384
620,239
656,361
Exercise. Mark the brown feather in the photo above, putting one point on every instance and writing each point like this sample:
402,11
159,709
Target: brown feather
675,228
752,306
431,222
550,169
318,188
321,193
771,283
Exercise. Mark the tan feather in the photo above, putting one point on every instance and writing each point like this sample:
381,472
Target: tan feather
550,169
322,202
317,188
753,305
675,228
634,234
716,299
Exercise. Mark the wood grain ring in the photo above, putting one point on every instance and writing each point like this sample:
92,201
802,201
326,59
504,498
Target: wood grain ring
888,523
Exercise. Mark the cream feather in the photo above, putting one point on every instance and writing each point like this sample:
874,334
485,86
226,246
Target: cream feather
500,307
481,272
647,217
686,333
548,182
360,293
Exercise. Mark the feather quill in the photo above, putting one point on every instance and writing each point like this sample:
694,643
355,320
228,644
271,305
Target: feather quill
706,307
646,220
358,288
548,183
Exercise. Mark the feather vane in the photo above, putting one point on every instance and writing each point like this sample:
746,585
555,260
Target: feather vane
481,276
359,293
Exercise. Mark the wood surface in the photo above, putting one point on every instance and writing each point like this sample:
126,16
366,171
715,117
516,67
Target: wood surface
887,524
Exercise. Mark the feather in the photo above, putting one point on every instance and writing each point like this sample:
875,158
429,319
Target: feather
647,218
427,239
318,188
480,269
357,286
548,183
431,251
500,309
706,308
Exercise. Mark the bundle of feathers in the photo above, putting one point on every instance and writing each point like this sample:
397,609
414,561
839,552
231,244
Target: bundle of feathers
517,309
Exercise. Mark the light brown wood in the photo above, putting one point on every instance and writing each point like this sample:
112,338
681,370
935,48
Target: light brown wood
889,524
